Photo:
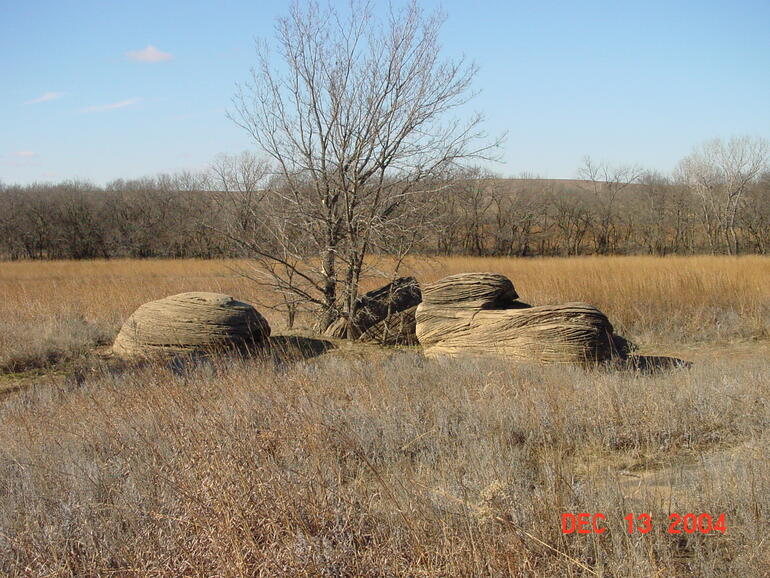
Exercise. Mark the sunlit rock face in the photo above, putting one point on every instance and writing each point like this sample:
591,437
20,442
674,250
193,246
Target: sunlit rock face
479,313
191,322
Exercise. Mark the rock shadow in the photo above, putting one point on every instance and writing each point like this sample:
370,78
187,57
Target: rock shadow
280,350
651,364
287,348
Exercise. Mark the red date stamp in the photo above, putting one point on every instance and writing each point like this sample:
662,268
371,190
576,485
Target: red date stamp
595,523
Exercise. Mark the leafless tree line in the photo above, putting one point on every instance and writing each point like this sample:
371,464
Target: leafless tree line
151,217
654,215
226,212
716,201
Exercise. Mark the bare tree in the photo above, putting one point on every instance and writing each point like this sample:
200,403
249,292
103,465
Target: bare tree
719,174
520,214
573,221
354,114
259,225
756,215
605,183
238,183
472,189
653,206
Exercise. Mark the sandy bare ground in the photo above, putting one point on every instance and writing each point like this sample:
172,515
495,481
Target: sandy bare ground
680,487
700,477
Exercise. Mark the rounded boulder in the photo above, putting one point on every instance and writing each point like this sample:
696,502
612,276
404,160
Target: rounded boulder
469,290
191,322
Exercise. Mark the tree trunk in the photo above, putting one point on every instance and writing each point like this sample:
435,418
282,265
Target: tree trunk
329,312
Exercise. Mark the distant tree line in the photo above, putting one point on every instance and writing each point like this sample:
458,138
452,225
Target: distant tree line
718,201
652,216
150,217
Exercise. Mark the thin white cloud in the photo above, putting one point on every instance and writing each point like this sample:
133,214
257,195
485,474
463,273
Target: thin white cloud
45,97
149,54
19,159
111,106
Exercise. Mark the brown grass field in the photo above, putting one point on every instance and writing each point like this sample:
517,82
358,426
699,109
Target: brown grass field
380,462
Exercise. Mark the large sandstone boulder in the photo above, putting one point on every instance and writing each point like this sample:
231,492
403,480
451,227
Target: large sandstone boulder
191,322
376,306
470,290
477,313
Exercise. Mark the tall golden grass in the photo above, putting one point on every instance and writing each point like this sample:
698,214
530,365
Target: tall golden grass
367,461
649,298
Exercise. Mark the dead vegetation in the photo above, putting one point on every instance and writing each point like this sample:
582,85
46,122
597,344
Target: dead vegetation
42,343
383,465
360,460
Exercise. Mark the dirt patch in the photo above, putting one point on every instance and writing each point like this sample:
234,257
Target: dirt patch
681,486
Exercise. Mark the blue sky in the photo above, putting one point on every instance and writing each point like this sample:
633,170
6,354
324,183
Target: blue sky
101,90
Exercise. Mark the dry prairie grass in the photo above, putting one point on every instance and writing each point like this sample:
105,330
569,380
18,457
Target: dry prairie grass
380,465
367,461
679,299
